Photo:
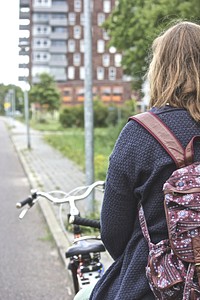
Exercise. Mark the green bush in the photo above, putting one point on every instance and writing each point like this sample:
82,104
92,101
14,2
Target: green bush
100,114
104,115
72,116
112,118
128,109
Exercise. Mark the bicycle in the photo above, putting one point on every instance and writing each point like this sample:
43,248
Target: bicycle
85,252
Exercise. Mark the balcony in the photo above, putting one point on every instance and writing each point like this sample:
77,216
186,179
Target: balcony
24,27
58,63
41,20
23,78
23,42
23,66
24,3
53,9
24,14
58,49
24,51
58,22
59,36
60,77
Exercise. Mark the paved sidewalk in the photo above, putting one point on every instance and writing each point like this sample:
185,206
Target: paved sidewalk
47,170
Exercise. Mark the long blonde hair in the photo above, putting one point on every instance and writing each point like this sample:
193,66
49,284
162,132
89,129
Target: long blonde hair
174,72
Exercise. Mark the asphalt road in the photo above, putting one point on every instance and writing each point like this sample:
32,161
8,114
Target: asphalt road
30,267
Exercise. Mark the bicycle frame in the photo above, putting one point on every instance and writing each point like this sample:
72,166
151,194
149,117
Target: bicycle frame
84,254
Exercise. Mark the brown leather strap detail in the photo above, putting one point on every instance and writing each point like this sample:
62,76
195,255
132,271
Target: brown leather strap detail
196,248
193,294
163,135
189,150
196,251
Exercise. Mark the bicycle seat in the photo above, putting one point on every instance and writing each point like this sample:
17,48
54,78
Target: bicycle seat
84,247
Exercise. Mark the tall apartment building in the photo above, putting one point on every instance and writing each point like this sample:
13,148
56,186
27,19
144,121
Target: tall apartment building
52,41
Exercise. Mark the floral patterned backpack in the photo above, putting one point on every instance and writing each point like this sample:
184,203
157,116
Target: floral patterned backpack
173,268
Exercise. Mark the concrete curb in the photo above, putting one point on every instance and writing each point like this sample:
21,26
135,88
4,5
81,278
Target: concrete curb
62,242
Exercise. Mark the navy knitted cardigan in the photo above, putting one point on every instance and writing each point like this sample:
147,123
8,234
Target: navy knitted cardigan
137,170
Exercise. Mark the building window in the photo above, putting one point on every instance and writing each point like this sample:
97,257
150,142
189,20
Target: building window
41,30
82,46
67,94
38,70
42,3
80,93
72,18
41,43
58,16
77,5
71,72
100,46
59,29
117,93
106,93
105,35
106,60
91,5
41,17
100,18
76,59
71,45
58,2
58,71
117,90
82,73
106,6
43,57
112,73
58,43
77,32
100,73
118,59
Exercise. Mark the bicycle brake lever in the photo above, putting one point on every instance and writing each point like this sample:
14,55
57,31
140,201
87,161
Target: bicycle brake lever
25,210
23,213
73,209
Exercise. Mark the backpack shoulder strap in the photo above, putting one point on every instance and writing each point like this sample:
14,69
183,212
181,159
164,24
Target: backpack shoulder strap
189,150
164,136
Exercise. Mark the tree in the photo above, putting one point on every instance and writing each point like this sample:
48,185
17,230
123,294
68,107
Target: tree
4,90
134,24
45,93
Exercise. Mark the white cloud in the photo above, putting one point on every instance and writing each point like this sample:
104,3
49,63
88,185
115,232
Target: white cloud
9,39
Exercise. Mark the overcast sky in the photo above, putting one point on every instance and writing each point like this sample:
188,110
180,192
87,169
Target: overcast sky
9,39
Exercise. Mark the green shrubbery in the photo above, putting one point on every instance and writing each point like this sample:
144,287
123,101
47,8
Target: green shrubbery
104,115
72,116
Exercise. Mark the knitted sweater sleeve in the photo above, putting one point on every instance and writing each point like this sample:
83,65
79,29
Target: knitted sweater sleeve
119,207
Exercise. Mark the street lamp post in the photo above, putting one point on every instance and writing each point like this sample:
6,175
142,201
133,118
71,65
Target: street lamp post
12,102
26,99
88,104
26,112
